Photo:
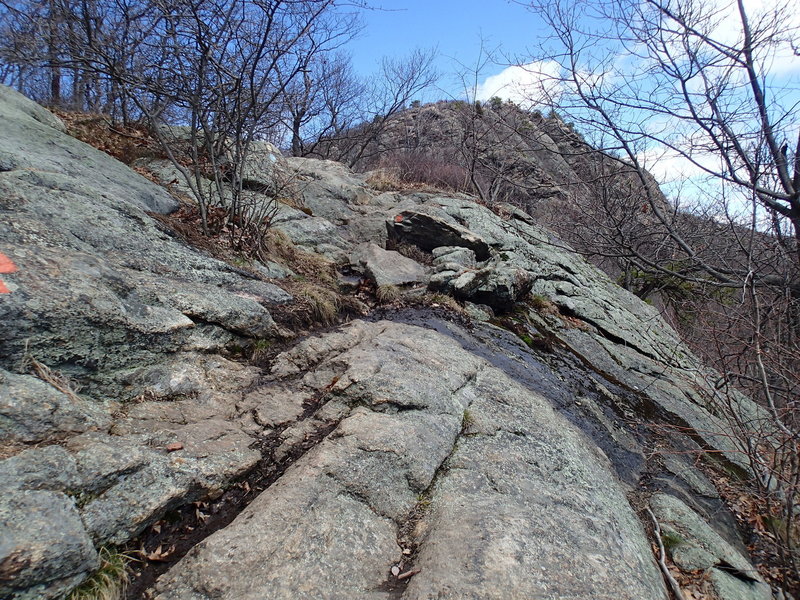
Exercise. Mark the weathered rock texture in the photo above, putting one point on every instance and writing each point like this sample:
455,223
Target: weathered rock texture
415,455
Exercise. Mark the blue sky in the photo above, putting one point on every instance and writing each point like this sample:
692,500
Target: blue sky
455,27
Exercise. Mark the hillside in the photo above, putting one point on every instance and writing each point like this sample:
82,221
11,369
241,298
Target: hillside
484,415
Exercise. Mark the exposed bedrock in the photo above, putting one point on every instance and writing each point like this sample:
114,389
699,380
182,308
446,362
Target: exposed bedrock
507,450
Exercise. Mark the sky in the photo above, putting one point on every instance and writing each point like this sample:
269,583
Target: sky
454,27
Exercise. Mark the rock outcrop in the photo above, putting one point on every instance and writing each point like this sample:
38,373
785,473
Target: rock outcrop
413,453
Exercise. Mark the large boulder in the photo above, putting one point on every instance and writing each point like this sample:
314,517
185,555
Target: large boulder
494,283
34,140
46,553
430,232
386,267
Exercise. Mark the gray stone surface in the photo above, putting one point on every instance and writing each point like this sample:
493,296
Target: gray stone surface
386,267
47,468
32,410
519,493
47,552
697,546
101,286
499,463
33,141
329,189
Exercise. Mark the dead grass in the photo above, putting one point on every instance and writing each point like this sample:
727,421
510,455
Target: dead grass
313,267
388,180
109,582
442,301
315,305
56,379
410,251
386,294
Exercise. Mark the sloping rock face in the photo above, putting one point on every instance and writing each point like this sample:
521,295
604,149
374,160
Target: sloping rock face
410,454
494,489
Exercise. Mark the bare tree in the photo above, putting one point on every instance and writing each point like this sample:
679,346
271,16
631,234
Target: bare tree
323,103
662,80
693,82
400,80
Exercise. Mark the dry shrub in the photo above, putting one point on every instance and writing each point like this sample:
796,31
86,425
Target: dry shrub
411,169
384,180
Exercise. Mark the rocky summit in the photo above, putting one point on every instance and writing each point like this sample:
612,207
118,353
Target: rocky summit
494,419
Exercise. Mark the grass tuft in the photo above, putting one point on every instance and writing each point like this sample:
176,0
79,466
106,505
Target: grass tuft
467,419
671,540
109,582
386,294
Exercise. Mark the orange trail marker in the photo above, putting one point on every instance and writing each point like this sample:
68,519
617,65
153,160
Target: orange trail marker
3,288
7,265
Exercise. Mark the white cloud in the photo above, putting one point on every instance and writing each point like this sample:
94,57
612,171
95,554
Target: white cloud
527,85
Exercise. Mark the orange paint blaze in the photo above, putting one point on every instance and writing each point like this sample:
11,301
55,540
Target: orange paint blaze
6,264
3,288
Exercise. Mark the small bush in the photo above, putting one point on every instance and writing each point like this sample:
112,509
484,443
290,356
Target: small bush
410,170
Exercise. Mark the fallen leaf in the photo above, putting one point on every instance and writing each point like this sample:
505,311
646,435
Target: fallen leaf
174,446
395,570
160,555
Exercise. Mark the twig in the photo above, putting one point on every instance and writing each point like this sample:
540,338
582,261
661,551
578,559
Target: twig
407,574
662,560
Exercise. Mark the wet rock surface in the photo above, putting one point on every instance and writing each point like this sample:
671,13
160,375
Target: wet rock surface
416,453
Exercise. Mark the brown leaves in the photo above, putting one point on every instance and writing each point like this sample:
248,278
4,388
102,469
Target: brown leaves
160,554
174,447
